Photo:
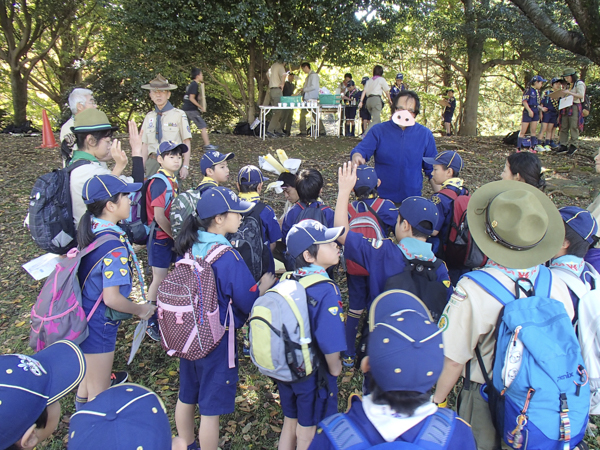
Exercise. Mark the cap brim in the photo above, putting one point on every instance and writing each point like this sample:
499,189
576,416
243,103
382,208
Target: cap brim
151,88
547,248
331,235
392,301
242,207
65,363
433,162
132,187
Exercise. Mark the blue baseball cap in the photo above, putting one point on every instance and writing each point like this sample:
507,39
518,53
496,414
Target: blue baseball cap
399,76
582,222
210,159
350,83
101,187
405,347
364,80
308,232
167,146
538,78
251,175
556,80
127,416
365,176
448,159
28,384
219,200
418,209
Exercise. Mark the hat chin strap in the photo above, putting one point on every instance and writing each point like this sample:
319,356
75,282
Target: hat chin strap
494,237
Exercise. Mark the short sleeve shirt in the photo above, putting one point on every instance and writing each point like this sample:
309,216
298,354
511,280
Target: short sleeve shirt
531,97
192,89
175,127
325,320
290,218
156,197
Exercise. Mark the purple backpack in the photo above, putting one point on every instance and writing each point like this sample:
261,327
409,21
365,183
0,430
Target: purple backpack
58,312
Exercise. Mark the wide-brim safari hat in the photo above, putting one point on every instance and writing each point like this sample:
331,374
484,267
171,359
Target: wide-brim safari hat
160,83
515,224
568,71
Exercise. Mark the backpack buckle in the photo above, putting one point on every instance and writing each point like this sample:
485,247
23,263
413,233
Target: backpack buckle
179,318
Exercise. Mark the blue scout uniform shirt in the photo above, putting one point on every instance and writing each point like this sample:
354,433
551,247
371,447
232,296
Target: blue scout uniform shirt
550,103
398,158
395,90
382,259
270,225
450,109
531,97
290,218
388,213
107,266
206,183
445,207
462,436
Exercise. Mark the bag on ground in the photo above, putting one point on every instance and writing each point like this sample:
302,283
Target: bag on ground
188,307
51,211
58,312
281,344
539,394
369,225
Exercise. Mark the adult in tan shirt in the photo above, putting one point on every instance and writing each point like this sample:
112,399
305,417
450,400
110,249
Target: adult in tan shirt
276,83
374,89
502,211
571,119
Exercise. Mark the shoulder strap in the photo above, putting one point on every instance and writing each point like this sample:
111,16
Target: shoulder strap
76,164
543,282
216,252
450,193
258,207
491,285
383,226
169,194
572,281
437,430
311,280
343,434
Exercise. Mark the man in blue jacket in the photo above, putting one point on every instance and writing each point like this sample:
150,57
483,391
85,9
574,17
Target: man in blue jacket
398,153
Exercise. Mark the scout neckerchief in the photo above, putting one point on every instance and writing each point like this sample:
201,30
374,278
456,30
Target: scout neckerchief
515,274
80,154
173,180
99,225
207,180
310,270
250,196
454,182
206,241
571,263
159,113
416,249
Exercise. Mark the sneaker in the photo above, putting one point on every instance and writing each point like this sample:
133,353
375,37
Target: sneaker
547,148
153,332
347,360
271,135
540,148
562,149
279,134
118,378
210,148
572,149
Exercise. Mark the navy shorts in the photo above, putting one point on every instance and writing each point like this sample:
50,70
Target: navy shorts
103,334
350,113
365,114
160,253
209,382
303,401
527,119
550,118
358,291
448,117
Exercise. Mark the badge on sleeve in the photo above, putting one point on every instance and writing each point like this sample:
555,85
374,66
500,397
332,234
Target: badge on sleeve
333,310
123,271
123,260
107,261
108,274
435,199
443,323
446,283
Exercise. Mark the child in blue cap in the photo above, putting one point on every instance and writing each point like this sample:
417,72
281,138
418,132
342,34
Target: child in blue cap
417,218
210,382
105,275
531,111
305,403
550,117
405,357
30,390
385,215
213,166
123,417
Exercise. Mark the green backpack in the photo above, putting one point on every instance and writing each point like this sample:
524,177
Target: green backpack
182,207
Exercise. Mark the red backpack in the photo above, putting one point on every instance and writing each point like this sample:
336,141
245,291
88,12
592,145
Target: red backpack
188,308
369,225
460,250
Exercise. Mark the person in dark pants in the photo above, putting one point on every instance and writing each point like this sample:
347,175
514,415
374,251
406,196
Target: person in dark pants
287,115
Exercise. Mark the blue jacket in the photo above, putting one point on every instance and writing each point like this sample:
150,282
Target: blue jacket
398,158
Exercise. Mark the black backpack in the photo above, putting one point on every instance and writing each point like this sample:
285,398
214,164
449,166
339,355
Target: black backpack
51,211
248,241
312,213
420,278
511,138
243,129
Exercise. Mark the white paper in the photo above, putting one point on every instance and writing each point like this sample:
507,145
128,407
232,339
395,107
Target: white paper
276,186
264,165
292,165
565,102
42,266
138,337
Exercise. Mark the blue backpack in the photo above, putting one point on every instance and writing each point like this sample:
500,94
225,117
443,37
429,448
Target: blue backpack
435,434
539,395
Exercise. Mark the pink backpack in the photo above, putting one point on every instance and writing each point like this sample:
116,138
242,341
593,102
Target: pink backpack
188,309
58,312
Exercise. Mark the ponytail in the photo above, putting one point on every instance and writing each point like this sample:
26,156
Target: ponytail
85,234
188,235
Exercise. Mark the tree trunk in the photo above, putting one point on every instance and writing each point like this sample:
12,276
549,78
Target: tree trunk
18,84
251,107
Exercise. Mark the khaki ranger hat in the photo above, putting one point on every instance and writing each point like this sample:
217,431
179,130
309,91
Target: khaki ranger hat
515,224
160,83
568,71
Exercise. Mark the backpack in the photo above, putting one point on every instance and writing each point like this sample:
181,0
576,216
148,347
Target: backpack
369,225
143,207
511,139
248,241
536,350
312,213
588,326
188,308
280,335
182,207
134,226
460,250
58,312
245,129
420,278
587,106
51,211
435,434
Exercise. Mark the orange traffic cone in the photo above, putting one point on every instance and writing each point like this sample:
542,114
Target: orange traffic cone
48,140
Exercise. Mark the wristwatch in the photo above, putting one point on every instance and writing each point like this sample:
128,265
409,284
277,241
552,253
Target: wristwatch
186,167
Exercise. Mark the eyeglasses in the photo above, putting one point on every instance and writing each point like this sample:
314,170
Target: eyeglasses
410,110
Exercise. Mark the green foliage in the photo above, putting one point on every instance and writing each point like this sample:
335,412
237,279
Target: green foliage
592,122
